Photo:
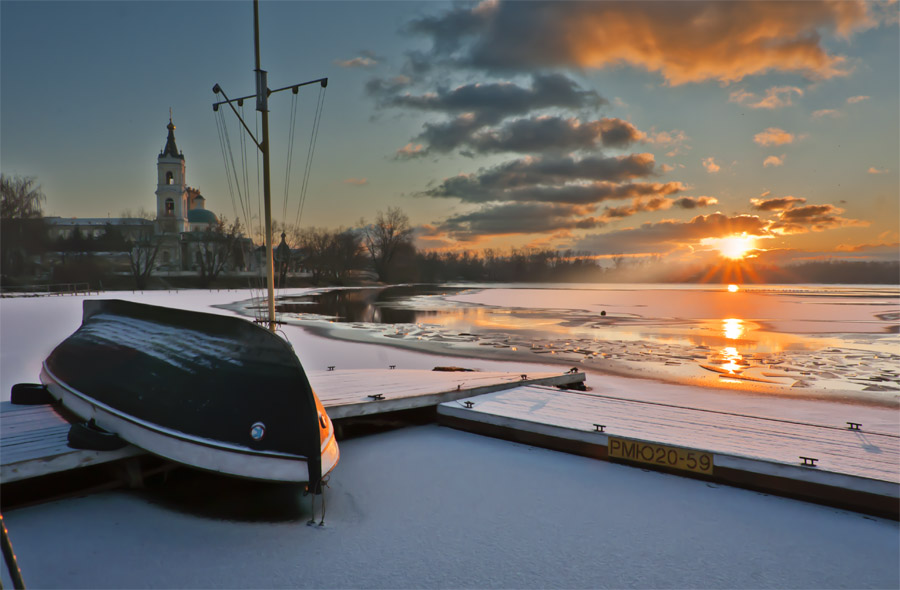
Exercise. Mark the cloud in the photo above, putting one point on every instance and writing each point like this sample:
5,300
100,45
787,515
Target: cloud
549,178
774,161
366,60
641,205
773,136
652,237
356,181
710,165
776,97
674,141
796,220
518,218
826,113
776,204
529,135
682,41
490,103
857,99
874,170
694,202
385,87
410,151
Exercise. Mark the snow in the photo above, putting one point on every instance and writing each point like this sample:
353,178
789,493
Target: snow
429,507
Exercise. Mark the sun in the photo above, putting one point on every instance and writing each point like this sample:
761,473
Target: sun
735,247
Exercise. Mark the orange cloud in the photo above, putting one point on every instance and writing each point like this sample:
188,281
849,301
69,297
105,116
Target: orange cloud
856,99
874,170
411,151
773,136
682,41
774,161
826,113
776,97
356,62
356,181
710,165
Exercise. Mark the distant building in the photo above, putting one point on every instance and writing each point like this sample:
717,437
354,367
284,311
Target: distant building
181,218
131,228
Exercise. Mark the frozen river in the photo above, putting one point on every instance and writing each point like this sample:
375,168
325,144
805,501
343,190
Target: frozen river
429,507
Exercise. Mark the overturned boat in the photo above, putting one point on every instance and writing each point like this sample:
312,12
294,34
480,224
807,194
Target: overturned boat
209,391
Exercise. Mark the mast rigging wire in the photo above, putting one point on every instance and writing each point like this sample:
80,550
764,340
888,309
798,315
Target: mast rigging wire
310,153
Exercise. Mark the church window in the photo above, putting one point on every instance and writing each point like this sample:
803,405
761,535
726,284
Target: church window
170,207
170,178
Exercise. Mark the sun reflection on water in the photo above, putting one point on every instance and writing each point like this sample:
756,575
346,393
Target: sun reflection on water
733,328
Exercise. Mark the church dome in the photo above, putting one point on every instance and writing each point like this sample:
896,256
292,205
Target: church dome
202,216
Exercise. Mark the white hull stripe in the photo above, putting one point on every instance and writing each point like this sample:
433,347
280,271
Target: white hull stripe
190,450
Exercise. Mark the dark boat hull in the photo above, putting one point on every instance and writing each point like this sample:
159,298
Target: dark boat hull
213,392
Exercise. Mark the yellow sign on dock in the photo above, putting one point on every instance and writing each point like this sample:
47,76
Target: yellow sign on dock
661,455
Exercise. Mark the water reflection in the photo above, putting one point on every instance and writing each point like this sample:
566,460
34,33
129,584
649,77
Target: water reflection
632,317
733,328
745,341
376,305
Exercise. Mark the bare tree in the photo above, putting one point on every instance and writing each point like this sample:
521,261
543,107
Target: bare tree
21,199
143,258
331,253
141,213
215,249
385,238
23,235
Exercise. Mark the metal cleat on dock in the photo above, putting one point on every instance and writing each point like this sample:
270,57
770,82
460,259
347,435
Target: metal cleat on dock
809,461
599,427
854,426
377,396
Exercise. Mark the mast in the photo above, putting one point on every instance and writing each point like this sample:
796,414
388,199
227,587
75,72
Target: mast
262,105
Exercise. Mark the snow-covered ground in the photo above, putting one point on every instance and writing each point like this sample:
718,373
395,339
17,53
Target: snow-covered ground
432,507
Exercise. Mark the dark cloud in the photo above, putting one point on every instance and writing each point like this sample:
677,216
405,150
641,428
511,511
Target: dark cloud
492,102
657,203
811,218
694,202
449,29
685,41
548,174
380,87
535,134
654,237
518,218
777,204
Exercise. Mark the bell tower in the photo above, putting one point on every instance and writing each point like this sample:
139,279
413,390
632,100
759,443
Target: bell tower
171,191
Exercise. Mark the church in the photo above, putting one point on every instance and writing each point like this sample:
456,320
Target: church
181,211
180,222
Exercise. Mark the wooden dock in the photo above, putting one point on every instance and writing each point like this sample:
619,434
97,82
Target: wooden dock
837,464
33,439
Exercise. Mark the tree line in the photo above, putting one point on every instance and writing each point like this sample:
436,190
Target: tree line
382,248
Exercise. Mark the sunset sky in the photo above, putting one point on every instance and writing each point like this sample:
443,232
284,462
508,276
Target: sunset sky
635,129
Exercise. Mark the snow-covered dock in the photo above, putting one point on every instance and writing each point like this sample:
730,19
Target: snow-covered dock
353,393
33,439
839,464
33,442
